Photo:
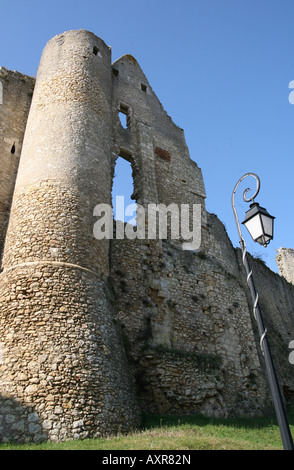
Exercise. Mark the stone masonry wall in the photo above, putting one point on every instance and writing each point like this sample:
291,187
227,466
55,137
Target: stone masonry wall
93,332
188,330
60,374
64,372
182,313
276,299
16,95
285,262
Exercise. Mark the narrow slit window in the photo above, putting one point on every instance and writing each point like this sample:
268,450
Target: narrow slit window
143,87
12,150
123,120
115,72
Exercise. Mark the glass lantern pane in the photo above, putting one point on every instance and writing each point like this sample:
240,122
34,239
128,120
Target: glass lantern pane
254,227
267,225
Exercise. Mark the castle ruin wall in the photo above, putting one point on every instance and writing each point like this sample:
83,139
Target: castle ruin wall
15,100
95,332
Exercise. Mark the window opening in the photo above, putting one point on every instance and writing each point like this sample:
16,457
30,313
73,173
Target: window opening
122,190
143,87
12,150
96,51
123,119
124,116
115,72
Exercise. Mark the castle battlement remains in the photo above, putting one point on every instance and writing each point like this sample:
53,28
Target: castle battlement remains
95,332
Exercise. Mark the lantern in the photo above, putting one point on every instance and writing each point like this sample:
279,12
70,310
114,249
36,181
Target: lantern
259,223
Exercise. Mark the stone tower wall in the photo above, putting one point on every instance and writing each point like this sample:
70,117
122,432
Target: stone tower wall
16,94
62,356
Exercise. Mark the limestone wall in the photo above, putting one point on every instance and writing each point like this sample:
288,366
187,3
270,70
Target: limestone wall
185,317
188,329
276,299
285,262
62,357
16,94
157,146
93,332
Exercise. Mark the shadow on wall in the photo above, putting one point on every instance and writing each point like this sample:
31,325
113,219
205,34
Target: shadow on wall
19,424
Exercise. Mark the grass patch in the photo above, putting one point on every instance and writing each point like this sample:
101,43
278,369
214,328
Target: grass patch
183,433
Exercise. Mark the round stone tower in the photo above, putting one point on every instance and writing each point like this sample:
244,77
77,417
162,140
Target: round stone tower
63,369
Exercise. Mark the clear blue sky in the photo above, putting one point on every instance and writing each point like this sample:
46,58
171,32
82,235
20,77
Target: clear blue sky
221,69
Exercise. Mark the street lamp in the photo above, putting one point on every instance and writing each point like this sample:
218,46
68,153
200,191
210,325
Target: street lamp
259,223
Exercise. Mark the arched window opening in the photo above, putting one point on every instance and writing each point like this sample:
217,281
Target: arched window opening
124,207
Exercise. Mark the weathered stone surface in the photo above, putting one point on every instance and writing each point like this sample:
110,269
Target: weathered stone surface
285,262
93,332
17,91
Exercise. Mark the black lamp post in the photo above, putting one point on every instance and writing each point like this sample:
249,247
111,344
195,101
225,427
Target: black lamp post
259,223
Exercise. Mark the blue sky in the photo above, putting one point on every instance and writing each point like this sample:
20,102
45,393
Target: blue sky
221,69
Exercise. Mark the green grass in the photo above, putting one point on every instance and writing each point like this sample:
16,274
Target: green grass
183,433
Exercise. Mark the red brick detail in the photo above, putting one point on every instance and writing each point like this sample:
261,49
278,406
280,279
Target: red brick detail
164,154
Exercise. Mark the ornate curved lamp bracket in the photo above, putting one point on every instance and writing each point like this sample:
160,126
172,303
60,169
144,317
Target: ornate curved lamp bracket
251,199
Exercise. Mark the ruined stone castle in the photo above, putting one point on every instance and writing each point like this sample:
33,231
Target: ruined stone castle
93,333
